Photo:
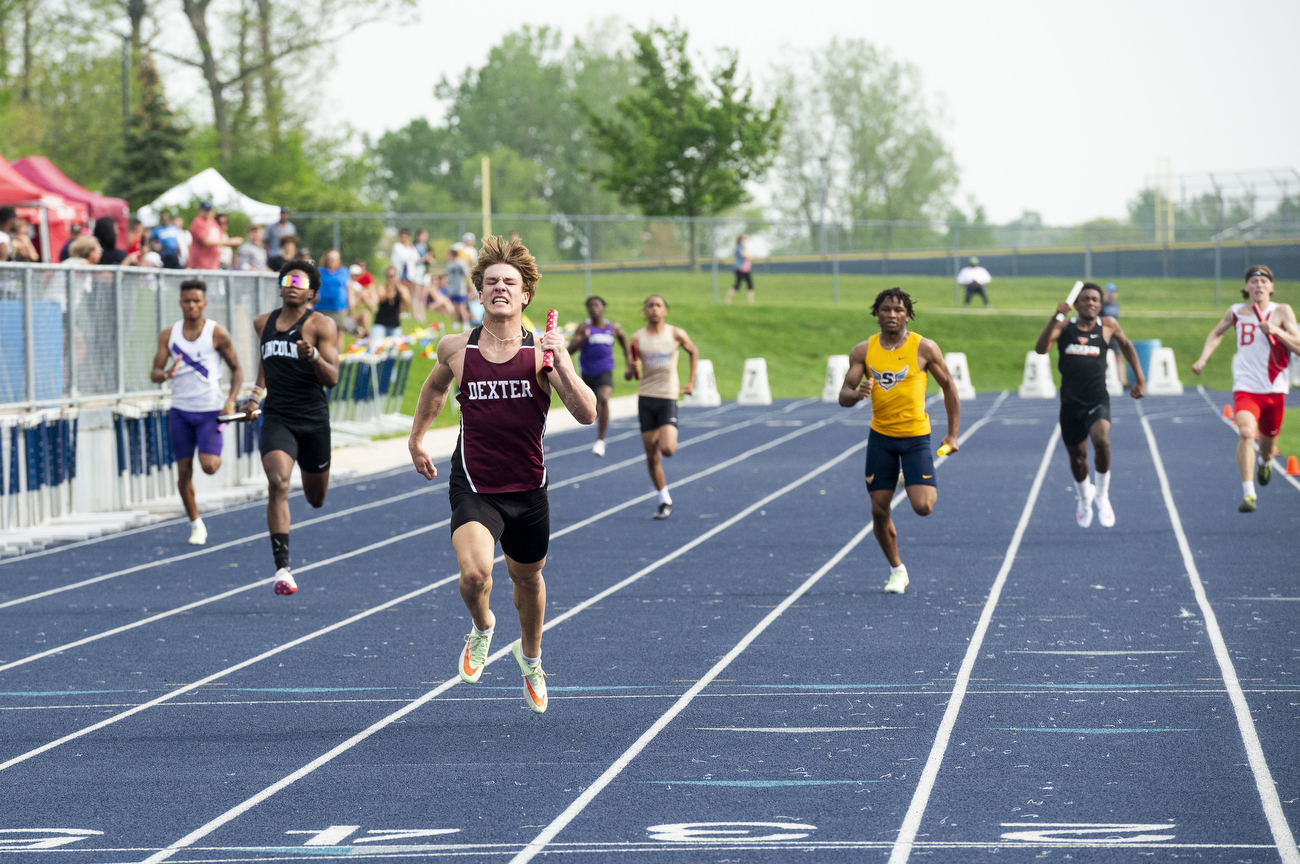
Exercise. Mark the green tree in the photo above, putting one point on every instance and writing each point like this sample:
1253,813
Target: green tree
863,113
153,160
681,146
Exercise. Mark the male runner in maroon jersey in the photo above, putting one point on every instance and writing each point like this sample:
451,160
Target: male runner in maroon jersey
498,473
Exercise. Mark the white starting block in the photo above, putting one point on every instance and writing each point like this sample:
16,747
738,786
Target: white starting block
706,388
960,371
1163,380
1113,387
754,389
1037,383
837,366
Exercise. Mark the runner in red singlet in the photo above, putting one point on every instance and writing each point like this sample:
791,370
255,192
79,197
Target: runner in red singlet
498,474
1259,374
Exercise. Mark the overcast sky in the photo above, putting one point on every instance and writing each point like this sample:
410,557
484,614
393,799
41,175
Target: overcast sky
1062,108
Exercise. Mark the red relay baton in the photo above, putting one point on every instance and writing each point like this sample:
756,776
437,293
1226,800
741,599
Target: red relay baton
636,359
1272,340
548,357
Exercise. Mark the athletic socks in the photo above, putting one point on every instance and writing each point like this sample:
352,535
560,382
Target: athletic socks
531,661
1082,488
198,523
664,498
280,549
1103,485
899,569
1248,488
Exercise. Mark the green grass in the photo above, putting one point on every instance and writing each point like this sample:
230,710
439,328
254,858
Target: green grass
1288,443
795,325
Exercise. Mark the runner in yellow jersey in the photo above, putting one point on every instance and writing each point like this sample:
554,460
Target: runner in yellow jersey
900,362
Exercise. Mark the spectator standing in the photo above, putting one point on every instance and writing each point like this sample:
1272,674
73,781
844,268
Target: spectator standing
168,238
743,267
66,251
185,239
1110,309
405,258
106,234
468,250
974,279
388,301
252,255
135,239
228,243
205,254
288,252
457,287
334,300
278,230
84,251
7,215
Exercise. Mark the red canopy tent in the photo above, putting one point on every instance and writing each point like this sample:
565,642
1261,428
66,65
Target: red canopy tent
42,172
52,214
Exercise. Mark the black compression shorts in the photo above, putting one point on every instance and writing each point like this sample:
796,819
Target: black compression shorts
600,379
520,521
655,413
306,443
1077,420
887,454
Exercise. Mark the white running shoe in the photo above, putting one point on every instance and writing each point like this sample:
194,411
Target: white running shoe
1105,513
897,582
534,680
474,656
1083,508
198,535
284,583
599,448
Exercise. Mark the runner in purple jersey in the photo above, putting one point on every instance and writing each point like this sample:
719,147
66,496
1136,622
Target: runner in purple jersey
498,474
595,339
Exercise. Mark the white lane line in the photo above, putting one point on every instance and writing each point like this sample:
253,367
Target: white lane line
208,550
589,794
727,463
1098,653
586,448
1286,844
1278,467
554,535
916,810
238,810
796,730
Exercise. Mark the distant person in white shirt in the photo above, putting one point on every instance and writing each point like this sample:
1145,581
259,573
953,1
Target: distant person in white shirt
406,258
974,279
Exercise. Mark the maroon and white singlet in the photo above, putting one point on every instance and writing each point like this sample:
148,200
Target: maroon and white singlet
502,422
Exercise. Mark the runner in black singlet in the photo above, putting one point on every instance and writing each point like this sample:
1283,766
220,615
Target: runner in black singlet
498,474
300,359
1085,402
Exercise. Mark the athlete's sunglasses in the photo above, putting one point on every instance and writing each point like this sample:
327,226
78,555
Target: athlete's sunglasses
295,280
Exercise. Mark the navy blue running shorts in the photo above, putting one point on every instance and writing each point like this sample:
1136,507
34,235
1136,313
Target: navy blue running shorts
886,455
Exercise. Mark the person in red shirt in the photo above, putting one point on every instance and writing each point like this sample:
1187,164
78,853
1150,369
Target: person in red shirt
205,254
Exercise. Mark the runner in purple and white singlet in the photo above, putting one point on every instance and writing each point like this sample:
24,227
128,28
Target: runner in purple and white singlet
198,347
595,339
498,473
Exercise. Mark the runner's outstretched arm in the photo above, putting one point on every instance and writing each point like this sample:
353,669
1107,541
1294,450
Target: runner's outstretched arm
1139,389
929,351
160,373
857,383
1053,329
433,396
689,347
1212,341
1285,329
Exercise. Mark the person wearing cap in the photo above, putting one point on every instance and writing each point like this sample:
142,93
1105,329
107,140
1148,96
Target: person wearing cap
1266,335
277,230
467,250
974,279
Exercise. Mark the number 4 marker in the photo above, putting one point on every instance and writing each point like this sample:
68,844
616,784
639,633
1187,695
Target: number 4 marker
336,834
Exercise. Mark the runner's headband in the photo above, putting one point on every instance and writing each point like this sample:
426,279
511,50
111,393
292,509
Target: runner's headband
1255,271
295,280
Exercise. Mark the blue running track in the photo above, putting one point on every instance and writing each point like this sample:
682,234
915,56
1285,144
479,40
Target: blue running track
730,684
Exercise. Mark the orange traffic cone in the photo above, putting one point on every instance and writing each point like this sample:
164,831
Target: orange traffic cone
1227,411
1293,466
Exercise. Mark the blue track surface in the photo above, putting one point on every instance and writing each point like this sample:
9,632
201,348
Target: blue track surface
728,685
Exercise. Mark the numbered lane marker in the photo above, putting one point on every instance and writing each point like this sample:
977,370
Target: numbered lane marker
16,839
712,832
1089,833
336,834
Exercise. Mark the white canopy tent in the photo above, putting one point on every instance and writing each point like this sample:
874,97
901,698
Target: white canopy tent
209,185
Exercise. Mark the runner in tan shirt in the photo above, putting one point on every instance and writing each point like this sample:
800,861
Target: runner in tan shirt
656,347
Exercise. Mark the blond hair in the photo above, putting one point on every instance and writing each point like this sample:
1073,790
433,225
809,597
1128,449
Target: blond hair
84,246
512,252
